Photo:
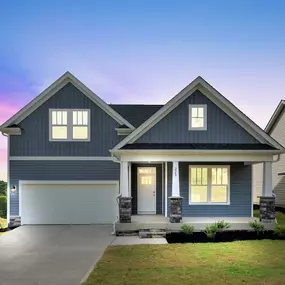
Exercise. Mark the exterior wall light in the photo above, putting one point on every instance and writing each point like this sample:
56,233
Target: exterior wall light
14,189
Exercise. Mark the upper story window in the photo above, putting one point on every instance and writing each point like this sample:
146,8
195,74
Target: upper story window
69,125
198,117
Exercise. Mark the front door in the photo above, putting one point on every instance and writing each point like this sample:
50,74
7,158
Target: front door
146,190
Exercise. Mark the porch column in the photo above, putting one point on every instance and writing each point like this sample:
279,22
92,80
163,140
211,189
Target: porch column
125,201
175,199
267,200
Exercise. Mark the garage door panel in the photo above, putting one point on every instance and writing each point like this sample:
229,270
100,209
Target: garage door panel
68,204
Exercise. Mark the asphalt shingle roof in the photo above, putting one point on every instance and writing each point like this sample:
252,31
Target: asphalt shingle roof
135,114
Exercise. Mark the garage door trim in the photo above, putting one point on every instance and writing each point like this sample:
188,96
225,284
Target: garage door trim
62,182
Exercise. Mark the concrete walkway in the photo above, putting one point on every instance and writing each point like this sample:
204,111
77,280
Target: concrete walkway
51,255
132,240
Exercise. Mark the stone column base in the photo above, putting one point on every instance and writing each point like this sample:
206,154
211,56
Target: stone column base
267,209
125,209
175,209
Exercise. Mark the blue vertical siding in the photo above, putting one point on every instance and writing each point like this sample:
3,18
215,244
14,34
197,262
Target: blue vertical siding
240,193
59,170
173,128
134,190
34,140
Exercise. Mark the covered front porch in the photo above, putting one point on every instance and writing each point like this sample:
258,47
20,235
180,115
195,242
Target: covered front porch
144,222
158,191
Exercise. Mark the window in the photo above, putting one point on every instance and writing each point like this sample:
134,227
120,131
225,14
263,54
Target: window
209,184
197,117
69,125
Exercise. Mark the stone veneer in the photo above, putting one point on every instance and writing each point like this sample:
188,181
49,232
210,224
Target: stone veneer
267,209
175,209
125,209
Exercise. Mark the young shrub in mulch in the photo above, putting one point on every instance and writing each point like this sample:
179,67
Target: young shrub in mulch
280,231
257,226
187,229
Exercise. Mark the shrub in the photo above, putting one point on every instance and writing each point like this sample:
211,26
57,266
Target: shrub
187,229
211,230
257,226
222,225
3,223
280,230
3,206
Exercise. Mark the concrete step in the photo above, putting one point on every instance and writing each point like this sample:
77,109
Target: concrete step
152,233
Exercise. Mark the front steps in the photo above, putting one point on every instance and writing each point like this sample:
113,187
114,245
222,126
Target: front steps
152,233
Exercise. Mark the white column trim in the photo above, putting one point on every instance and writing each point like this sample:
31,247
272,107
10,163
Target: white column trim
267,179
124,181
165,189
175,179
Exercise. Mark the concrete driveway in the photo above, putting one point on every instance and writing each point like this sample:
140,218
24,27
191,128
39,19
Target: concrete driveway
51,255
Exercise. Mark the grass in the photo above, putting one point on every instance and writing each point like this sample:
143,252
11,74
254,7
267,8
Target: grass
236,263
3,225
279,216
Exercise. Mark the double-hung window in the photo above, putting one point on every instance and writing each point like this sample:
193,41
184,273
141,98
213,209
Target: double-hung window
69,125
209,184
198,117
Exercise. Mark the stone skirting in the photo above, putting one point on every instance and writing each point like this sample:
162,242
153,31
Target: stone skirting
267,209
125,209
175,209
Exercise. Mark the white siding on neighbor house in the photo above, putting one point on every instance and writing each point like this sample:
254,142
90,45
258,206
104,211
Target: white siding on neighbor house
278,133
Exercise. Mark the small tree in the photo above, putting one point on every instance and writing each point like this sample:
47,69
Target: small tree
3,188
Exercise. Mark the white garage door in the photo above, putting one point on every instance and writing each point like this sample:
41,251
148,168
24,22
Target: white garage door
68,203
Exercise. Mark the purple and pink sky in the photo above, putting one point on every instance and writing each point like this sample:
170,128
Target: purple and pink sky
143,51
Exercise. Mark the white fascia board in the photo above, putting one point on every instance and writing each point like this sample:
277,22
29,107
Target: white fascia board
200,84
197,157
63,182
56,86
60,158
274,117
11,131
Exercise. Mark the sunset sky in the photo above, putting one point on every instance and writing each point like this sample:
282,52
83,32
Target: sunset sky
143,51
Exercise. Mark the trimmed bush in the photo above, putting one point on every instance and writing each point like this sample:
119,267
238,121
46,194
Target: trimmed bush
257,226
211,230
280,231
222,225
3,206
187,229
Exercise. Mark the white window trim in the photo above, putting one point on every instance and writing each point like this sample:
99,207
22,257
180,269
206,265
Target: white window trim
204,128
210,184
69,123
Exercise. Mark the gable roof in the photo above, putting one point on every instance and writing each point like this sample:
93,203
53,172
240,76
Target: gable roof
136,114
275,116
200,84
52,89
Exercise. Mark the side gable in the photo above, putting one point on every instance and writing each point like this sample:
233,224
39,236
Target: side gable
212,94
55,87
275,118
34,140
173,128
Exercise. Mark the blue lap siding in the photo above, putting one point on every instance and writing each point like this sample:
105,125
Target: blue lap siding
59,170
240,193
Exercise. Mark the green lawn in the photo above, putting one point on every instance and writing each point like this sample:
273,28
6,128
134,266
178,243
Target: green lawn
280,217
236,263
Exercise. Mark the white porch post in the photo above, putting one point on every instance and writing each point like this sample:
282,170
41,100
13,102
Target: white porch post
267,179
124,179
175,180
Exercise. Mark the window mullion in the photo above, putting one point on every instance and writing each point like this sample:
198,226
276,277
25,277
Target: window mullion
209,184
69,124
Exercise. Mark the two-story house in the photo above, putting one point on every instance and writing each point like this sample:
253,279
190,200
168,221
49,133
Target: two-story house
73,158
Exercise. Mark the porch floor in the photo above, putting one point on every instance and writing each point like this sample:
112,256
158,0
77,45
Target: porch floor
140,222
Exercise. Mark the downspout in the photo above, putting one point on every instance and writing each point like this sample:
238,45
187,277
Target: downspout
8,177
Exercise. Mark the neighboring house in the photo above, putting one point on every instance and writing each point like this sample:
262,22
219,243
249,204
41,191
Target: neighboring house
276,129
70,154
